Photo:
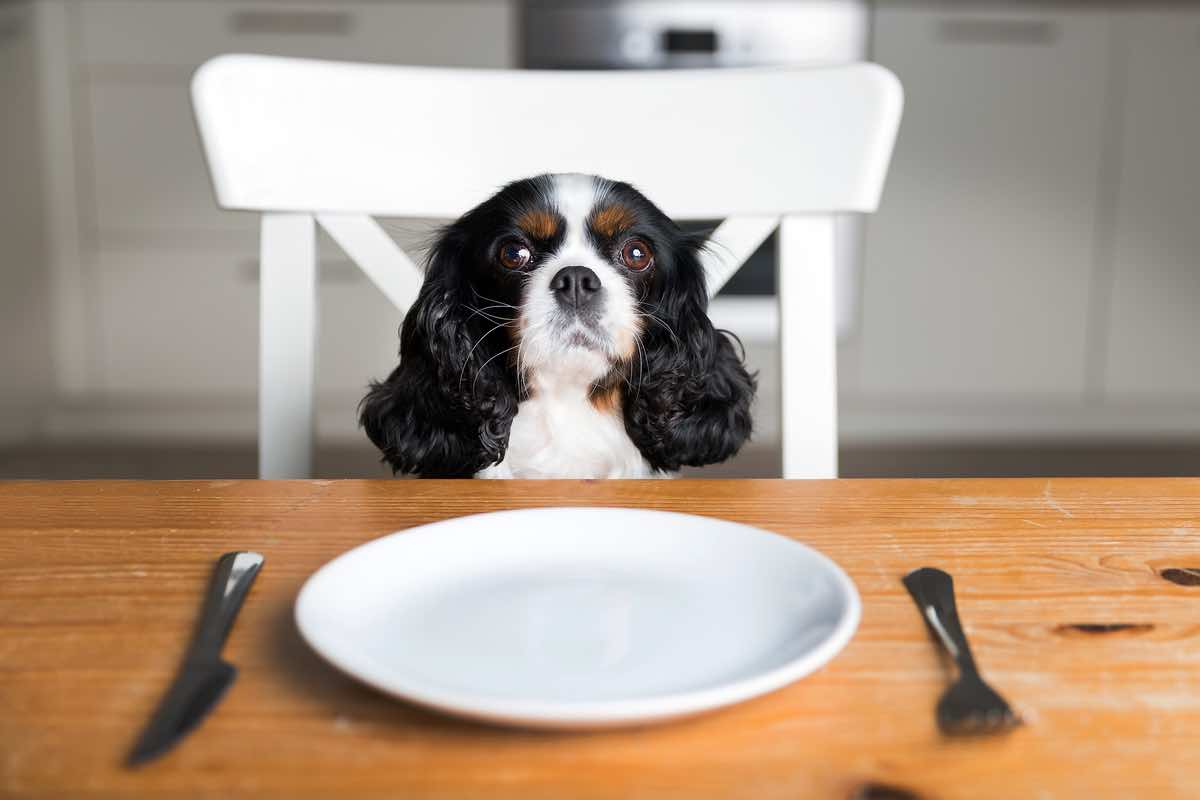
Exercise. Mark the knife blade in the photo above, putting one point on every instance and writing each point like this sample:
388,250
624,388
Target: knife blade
204,676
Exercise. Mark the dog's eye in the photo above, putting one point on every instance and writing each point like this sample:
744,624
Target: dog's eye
637,255
514,254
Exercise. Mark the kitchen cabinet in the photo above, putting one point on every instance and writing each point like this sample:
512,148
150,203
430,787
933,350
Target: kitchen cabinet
169,280
358,333
1153,325
149,39
174,323
154,346
979,261
1031,270
149,179
148,172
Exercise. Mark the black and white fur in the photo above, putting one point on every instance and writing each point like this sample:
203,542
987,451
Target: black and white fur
586,361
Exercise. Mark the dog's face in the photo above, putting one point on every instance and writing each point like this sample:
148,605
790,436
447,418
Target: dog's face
560,281
567,267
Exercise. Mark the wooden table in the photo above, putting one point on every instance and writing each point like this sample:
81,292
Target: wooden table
1077,595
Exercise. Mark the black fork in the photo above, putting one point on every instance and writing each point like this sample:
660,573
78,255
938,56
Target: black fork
969,706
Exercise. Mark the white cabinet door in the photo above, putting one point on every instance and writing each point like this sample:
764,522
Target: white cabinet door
185,325
979,261
174,312
148,179
1154,319
148,176
358,336
174,324
118,35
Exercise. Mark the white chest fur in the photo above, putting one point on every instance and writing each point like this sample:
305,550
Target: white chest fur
559,433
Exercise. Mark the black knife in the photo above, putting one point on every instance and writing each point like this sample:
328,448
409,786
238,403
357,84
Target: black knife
204,677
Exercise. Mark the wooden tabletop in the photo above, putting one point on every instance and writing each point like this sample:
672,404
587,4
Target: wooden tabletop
1081,598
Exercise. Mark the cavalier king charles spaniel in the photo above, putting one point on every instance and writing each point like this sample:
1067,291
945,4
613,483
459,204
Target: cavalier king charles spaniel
561,331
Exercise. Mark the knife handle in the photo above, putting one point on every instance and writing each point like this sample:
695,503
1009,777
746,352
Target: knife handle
933,591
230,582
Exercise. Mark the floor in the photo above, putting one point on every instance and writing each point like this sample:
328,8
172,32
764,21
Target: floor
181,460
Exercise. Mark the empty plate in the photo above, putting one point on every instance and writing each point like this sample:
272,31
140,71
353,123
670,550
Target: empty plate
578,617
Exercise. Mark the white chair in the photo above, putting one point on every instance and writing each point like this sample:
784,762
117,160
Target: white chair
315,142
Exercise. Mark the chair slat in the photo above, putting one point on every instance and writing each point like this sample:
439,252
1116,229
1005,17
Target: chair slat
377,254
734,241
295,134
807,346
287,345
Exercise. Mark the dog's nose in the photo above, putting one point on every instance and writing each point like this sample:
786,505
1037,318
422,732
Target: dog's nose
575,287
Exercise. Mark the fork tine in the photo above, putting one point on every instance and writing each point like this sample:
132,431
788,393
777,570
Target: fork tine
961,714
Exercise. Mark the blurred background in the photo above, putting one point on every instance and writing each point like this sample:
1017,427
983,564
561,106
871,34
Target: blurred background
1026,301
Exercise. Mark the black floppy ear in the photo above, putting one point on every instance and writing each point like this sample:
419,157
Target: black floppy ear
691,406
447,409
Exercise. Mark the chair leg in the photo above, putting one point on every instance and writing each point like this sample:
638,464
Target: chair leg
287,345
807,346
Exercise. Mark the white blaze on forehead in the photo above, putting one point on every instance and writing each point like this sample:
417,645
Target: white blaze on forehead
546,345
575,198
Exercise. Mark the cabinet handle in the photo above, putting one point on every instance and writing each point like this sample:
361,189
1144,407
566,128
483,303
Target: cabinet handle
328,272
306,23
999,31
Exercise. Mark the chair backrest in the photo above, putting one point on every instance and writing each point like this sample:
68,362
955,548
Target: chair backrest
298,135
334,143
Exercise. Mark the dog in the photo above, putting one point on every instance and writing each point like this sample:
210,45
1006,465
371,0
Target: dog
561,332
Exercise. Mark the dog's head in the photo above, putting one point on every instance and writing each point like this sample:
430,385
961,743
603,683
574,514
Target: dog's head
555,283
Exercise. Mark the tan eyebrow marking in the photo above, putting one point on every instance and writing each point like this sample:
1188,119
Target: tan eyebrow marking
539,223
611,220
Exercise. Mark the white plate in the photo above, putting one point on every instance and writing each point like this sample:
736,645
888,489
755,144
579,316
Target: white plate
579,617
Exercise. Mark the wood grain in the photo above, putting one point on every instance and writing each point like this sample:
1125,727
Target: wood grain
1061,588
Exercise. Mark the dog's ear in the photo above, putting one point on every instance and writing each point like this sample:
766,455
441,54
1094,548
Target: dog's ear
690,402
446,410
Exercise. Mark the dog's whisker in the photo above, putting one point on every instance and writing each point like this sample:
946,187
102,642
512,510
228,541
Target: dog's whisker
491,318
641,366
624,374
667,327
467,360
522,376
493,300
490,315
479,371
